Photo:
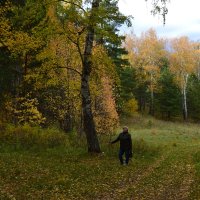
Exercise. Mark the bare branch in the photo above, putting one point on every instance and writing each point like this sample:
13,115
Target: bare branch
72,40
160,7
81,31
72,69
75,4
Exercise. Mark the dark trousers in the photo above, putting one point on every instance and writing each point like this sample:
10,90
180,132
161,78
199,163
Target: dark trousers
127,155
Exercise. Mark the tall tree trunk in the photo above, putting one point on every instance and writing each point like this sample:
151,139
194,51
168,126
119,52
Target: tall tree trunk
184,93
152,103
151,111
88,121
66,123
144,104
168,115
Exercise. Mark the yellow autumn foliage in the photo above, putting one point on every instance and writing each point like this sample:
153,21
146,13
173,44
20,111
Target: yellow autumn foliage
24,110
105,114
130,107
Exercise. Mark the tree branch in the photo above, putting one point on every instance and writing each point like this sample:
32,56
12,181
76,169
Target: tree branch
159,7
72,69
75,4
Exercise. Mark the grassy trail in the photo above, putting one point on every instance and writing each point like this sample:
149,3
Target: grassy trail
168,178
171,179
170,172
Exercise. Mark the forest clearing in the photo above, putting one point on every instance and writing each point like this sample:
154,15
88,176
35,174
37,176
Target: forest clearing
74,74
165,165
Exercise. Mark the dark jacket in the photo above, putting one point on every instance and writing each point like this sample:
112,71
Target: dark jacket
125,141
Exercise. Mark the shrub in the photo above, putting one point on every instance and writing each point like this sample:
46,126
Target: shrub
27,137
141,147
24,110
130,107
53,137
149,123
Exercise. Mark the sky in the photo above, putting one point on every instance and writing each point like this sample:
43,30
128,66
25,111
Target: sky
183,18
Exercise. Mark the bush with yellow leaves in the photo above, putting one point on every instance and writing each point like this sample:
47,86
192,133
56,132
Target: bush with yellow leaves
130,107
105,114
23,110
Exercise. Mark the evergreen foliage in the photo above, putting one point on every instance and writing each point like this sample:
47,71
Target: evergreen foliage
169,97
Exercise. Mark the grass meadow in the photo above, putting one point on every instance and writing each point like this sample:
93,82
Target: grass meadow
48,164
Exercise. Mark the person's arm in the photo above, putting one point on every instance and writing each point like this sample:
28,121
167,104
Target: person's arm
116,140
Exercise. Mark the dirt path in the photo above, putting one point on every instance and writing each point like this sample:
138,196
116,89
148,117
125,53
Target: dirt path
133,180
172,181
169,178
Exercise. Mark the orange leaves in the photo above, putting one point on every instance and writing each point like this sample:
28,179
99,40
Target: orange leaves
105,114
182,58
146,51
151,48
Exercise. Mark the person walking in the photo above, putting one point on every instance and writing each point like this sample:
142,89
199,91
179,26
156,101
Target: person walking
125,145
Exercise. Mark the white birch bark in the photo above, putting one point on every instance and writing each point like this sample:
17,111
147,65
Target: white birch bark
184,93
152,95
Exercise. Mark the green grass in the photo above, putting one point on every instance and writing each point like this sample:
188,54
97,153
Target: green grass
166,165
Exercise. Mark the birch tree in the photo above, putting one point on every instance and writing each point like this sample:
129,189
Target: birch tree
182,65
92,21
145,53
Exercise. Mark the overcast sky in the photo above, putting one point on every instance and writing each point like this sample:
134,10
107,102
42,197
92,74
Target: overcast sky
183,18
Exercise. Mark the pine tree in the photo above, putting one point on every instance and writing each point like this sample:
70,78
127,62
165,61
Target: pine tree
168,98
194,97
